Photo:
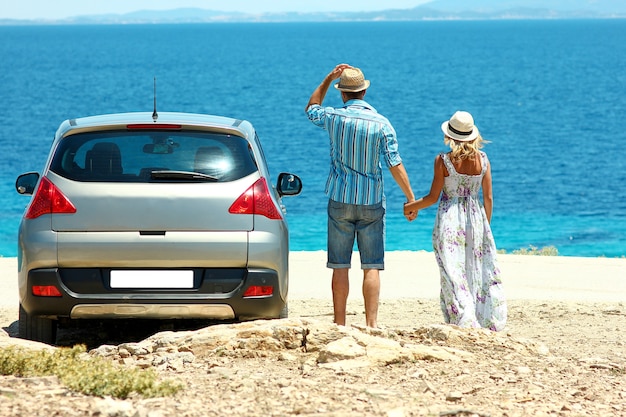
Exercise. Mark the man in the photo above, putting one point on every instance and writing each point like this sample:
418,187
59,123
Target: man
360,139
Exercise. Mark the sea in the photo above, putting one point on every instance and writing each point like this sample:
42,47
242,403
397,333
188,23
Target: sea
548,95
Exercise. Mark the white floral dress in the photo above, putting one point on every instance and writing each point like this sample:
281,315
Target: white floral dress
471,289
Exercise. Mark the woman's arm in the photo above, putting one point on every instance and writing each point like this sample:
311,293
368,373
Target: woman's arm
488,192
435,190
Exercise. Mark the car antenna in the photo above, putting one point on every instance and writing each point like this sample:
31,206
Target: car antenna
155,115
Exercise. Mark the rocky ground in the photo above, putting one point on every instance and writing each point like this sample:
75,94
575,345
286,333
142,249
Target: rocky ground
554,359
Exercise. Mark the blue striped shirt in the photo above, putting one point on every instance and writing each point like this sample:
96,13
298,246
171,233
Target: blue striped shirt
360,138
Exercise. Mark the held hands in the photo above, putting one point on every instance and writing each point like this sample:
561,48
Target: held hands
410,214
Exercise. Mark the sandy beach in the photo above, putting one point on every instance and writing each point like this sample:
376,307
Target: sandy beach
577,291
563,351
415,275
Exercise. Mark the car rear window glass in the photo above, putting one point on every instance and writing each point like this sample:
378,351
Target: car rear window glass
153,156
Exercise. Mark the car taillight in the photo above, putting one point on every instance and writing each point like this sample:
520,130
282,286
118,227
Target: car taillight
47,200
256,200
259,291
46,291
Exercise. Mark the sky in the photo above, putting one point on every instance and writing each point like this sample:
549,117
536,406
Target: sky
58,9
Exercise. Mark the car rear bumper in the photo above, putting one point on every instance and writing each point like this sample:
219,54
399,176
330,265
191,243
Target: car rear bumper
154,311
85,293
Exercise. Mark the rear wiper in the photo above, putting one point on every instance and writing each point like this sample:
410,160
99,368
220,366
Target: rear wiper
181,175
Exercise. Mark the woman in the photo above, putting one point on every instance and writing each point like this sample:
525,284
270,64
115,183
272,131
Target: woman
471,290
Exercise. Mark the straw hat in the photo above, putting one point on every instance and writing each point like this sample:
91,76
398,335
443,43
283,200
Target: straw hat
352,81
460,127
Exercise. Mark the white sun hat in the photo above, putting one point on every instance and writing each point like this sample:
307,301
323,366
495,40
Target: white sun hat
460,127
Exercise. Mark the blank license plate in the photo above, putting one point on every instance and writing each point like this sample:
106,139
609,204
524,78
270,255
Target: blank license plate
151,279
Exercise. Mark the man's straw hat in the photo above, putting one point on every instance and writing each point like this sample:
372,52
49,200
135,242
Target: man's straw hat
352,81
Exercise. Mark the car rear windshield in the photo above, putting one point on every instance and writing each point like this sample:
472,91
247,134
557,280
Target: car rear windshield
153,156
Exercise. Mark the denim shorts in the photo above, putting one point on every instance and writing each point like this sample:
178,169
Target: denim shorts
366,223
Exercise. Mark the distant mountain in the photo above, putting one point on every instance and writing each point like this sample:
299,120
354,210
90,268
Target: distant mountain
433,10
601,7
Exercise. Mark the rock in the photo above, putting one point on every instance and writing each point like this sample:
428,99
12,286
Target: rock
454,396
319,334
109,407
7,341
523,370
342,349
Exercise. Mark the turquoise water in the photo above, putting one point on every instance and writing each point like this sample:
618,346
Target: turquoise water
548,95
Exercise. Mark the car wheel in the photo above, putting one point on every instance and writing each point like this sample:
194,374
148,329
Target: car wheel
37,328
284,313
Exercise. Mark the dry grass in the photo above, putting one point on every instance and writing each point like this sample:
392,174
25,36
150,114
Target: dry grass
85,374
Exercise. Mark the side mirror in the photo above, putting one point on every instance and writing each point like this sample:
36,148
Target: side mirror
288,184
26,183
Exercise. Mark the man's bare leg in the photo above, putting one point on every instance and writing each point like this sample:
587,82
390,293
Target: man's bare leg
371,293
341,288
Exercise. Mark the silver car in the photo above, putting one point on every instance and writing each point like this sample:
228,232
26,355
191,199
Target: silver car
139,215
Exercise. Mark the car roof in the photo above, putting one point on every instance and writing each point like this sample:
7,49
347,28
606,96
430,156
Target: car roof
187,121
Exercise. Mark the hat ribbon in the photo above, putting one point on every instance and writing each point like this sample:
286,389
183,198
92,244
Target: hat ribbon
459,132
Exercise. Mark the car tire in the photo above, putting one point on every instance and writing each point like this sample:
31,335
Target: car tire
284,313
37,328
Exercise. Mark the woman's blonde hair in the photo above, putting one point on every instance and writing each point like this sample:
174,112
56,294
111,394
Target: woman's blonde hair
464,150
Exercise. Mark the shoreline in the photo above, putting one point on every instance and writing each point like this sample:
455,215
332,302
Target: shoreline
415,275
